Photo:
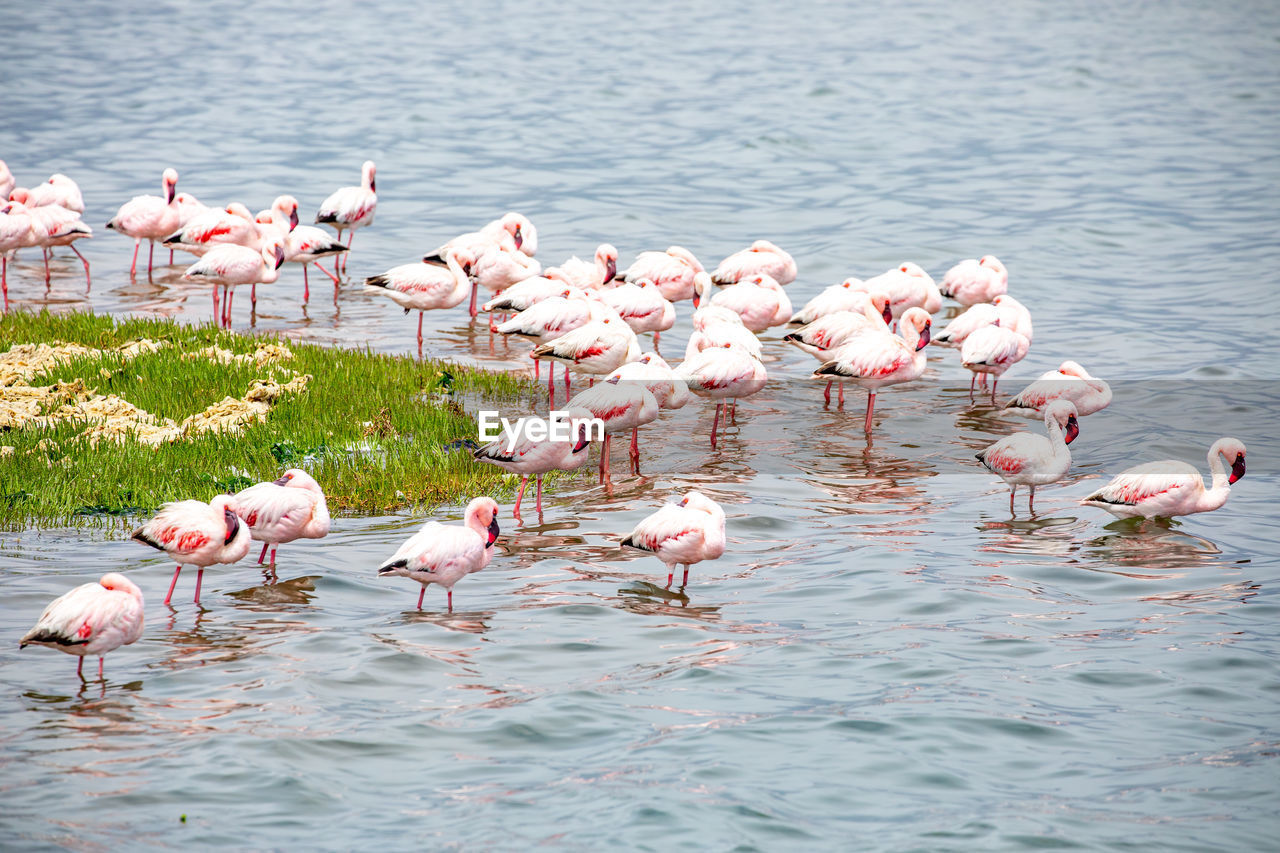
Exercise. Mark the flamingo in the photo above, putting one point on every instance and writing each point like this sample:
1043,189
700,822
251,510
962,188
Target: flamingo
642,306
828,333
445,553
351,207
549,318
423,287
197,533
992,350
759,300
15,233
281,511
530,458
92,619
230,265
762,258
587,276
723,373
59,190
149,217
529,292
672,271
712,329
218,226
650,370
908,286
51,225
848,295
620,407
1029,459
687,532
1169,487
972,282
512,231
873,361
1069,382
496,269
965,324
7,182
597,347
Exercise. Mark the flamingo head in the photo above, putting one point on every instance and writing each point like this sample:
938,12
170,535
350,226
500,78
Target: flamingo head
368,173
484,513
697,500
287,205
883,304
607,256
701,284
918,319
20,194
1233,450
1063,413
1071,368
522,232
169,181
273,254
685,255
117,581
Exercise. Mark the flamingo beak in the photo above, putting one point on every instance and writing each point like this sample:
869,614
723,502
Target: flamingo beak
171,190
279,256
1073,429
493,532
233,525
583,440
283,481
1237,468
293,219
888,313
610,269
518,237
924,338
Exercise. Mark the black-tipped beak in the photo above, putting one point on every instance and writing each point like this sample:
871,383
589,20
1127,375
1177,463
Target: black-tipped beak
518,236
583,439
373,184
610,269
293,219
169,195
1073,429
924,338
283,481
888,314
279,257
1237,468
233,525
493,532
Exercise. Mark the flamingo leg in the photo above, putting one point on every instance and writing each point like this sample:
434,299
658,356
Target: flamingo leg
421,594
1031,502
450,594
332,277
475,287
733,411
655,340
45,252
551,382
133,268
217,316
87,283
841,395
685,582
4,279
826,394
715,425
523,483
604,456
171,257
253,298
670,574
635,450
263,555
972,384
995,380
80,668
566,382
151,254
173,583
100,659
273,555
539,496
871,407
199,580
421,314
1013,490
306,285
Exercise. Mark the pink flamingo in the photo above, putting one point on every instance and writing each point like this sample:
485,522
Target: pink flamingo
848,295
351,207
149,217
424,287
197,533
512,231
233,224
1169,487
715,326
672,271
529,292
551,317
873,361
761,258
587,276
445,553
59,190
992,350
230,265
597,347
1029,459
828,333
281,511
642,306
495,269
530,458
725,374
92,619
7,182
1069,382
759,300
687,532
620,406
971,282
908,286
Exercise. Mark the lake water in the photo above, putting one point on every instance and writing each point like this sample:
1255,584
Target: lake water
882,659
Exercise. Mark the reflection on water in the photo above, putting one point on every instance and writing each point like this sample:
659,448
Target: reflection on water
274,593
1152,546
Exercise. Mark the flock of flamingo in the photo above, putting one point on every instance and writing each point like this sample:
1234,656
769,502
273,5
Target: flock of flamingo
585,316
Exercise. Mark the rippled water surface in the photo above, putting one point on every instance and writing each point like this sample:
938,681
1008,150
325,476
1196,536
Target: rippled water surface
883,659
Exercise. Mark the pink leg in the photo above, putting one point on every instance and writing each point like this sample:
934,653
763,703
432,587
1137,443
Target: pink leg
733,411
45,252
995,380
85,261
263,555
551,383
80,668
871,407
100,658
842,394
171,257
306,285
273,556
537,370
1012,491
4,280
421,594
635,450
1031,501
332,277
604,456
450,593
523,483
421,314
566,383
133,268
685,582
151,255
475,286
655,341
539,478
493,324
199,580
230,293
826,395
671,571
168,595
253,298
715,425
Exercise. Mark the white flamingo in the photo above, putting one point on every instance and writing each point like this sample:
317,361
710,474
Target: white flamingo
587,276
687,532
150,218
530,458
230,265
1169,487
620,406
59,190
908,286
874,361
759,300
351,207
284,510
642,306
761,258
1069,382
425,287
991,351
672,271
1030,459
197,533
725,374
445,553
596,348
974,281
92,619
848,295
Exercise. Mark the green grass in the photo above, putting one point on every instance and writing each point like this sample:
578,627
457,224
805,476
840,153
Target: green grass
370,428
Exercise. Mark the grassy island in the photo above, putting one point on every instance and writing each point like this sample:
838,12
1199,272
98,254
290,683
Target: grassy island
101,418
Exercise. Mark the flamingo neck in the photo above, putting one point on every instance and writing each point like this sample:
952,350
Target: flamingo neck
1219,473
461,281
1057,438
